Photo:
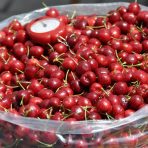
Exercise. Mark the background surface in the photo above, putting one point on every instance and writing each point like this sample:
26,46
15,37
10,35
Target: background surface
13,7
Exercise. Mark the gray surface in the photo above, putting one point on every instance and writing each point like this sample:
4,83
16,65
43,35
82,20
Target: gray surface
13,7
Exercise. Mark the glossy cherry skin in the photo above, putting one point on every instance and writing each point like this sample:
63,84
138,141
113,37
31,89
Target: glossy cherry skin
104,106
120,88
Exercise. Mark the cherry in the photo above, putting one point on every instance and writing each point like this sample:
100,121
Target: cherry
76,86
131,59
115,32
96,87
81,144
93,97
88,78
117,76
104,106
69,63
21,36
122,10
100,21
134,8
32,110
15,25
57,116
120,88
114,16
49,69
8,41
61,93
54,102
49,137
23,97
60,48
118,110
129,18
129,112
17,66
52,12
36,51
145,45
69,102
54,83
35,86
45,93
136,101
137,46
80,24
19,50
72,39
59,74
35,100
94,116
94,41
93,63
83,67
30,72
124,26
84,102
77,112
123,100
34,137
104,79
21,131
114,99
2,36
104,35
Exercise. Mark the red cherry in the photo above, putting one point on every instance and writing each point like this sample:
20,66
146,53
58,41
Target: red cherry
60,48
21,36
104,106
134,8
32,110
36,51
54,83
45,93
136,101
77,112
104,35
69,102
120,88
129,18
88,78
114,16
52,12
69,63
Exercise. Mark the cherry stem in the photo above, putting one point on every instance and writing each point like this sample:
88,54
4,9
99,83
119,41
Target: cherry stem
44,57
67,116
73,15
95,27
20,71
66,77
45,144
73,75
28,51
11,86
40,66
83,58
51,47
109,117
44,4
19,82
5,110
22,101
104,91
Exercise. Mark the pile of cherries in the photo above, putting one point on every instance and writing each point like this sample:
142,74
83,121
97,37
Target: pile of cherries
99,70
